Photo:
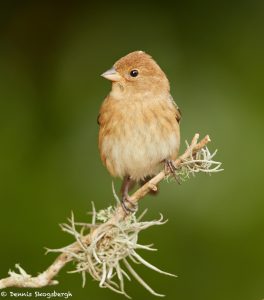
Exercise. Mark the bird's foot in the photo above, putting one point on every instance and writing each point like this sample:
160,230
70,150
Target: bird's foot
171,168
128,205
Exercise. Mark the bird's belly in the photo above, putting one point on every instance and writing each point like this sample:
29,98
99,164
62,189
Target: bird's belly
138,150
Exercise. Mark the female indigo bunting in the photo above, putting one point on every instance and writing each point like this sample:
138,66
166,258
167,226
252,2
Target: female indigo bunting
139,121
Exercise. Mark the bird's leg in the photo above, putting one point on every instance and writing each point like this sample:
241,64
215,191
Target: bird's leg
170,167
127,184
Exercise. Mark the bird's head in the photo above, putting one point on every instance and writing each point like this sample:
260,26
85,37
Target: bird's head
137,72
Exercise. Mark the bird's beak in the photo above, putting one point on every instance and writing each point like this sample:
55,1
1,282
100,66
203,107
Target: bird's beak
112,75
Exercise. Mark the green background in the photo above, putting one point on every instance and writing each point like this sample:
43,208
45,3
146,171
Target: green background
51,56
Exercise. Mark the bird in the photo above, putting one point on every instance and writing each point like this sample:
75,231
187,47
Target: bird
139,132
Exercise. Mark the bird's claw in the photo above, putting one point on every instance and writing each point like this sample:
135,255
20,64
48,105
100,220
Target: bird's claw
133,207
171,168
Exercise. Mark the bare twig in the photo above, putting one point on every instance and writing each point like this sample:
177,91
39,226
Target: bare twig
69,253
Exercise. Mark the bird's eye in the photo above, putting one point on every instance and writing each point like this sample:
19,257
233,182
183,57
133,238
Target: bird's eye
134,73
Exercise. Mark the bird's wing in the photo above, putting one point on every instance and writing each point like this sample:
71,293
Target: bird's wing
98,119
178,111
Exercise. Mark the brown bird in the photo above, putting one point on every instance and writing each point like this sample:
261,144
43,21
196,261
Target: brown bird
139,121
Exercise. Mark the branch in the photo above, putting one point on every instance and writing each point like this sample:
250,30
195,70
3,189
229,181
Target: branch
152,184
97,231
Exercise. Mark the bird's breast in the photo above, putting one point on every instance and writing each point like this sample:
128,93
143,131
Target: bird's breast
135,139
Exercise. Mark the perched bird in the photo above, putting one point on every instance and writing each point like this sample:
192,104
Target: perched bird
139,121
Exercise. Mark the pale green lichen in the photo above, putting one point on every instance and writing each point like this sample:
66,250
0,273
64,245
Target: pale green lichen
201,161
110,256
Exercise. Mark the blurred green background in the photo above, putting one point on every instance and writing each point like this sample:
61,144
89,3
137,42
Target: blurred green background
51,56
